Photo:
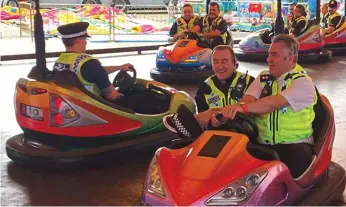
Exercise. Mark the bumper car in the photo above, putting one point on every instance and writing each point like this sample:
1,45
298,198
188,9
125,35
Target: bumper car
224,168
255,47
188,59
336,41
64,123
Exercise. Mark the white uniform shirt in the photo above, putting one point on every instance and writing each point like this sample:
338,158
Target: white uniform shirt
299,95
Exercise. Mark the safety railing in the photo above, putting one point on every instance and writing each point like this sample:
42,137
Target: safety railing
141,19
98,16
108,20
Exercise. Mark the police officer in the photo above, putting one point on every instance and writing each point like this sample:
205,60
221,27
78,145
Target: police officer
213,27
325,15
89,70
227,86
282,100
300,21
333,19
290,18
187,21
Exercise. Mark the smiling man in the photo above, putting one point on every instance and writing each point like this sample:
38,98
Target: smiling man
325,15
333,19
282,100
187,21
227,86
212,26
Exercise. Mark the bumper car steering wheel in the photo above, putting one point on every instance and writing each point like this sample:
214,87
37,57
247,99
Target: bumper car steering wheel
195,36
124,81
241,124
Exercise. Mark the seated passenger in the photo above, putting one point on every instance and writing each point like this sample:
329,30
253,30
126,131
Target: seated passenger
300,22
290,18
89,70
282,99
227,86
324,14
187,21
213,27
333,18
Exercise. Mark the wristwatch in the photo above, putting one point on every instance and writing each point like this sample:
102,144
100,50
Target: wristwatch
244,107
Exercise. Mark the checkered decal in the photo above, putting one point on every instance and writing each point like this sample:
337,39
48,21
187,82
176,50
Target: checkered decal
76,63
179,126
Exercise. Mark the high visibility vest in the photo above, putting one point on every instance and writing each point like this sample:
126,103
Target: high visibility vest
331,17
73,62
215,22
284,125
217,98
182,25
299,19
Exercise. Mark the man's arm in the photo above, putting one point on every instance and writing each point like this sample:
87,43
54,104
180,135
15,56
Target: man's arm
202,105
173,29
332,26
300,95
289,19
112,69
198,26
298,29
219,29
93,72
248,99
267,104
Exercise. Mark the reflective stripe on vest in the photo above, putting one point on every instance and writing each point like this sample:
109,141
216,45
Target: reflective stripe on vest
182,25
331,17
324,20
284,125
302,18
215,22
73,62
236,91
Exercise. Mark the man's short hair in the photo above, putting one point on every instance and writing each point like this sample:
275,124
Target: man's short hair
301,9
290,43
188,5
333,4
68,42
226,47
215,4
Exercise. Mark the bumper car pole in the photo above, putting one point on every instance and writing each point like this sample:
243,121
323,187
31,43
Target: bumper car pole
318,10
39,71
279,22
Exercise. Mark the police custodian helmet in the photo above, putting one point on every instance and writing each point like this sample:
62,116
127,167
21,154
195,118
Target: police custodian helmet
332,4
74,30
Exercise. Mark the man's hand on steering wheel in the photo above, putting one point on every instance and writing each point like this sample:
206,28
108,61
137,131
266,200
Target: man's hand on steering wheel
215,122
229,112
236,122
127,67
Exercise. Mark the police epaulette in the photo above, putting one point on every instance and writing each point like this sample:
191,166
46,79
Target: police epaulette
267,77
